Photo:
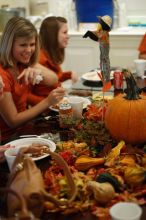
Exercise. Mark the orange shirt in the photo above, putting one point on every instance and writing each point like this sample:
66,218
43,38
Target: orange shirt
41,91
142,45
46,61
19,93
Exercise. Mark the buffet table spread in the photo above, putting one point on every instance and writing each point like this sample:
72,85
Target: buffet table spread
79,145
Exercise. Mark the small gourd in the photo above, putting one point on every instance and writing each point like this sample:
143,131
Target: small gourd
103,192
134,175
108,178
114,154
85,162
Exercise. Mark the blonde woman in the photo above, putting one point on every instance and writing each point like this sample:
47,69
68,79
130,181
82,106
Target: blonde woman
19,48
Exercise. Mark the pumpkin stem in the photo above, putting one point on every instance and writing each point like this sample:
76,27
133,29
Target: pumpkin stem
132,88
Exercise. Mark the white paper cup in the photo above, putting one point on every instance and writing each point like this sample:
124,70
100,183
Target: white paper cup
125,211
10,155
77,106
140,66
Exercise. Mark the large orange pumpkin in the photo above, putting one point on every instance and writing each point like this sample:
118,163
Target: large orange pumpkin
125,117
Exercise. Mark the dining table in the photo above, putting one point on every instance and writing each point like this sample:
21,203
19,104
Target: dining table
48,123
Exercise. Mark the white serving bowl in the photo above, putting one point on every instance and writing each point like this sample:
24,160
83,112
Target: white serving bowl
10,154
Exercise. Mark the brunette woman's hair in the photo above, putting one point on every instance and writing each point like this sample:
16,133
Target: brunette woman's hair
17,27
49,38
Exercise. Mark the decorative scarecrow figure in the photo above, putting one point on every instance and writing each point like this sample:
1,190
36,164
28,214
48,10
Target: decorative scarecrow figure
102,36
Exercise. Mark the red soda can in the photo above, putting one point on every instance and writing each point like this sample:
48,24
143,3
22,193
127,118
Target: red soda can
118,80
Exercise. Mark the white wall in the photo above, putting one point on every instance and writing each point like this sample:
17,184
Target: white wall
136,7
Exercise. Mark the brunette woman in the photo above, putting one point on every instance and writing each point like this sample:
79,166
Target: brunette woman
53,39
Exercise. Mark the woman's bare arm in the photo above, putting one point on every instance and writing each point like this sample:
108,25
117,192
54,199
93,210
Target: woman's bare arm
49,77
13,118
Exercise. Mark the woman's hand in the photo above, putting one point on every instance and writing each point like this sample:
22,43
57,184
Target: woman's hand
2,150
30,75
74,77
50,78
56,96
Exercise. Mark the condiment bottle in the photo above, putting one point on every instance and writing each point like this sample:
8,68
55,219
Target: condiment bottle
65,115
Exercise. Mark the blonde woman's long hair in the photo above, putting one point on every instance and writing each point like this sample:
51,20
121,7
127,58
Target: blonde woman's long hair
17,27
49,38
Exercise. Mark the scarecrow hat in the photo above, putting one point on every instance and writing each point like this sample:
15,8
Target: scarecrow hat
106,22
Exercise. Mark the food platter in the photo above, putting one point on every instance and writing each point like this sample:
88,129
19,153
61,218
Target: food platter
92,76
26,142
86,102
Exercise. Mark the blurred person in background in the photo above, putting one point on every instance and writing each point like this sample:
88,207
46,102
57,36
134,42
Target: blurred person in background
53,40
20,71
2,149
142,48
1,87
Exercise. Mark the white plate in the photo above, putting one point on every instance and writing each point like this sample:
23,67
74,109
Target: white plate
86,102
93,76
23,142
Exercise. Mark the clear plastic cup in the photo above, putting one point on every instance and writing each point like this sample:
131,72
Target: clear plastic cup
77,106
126,211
